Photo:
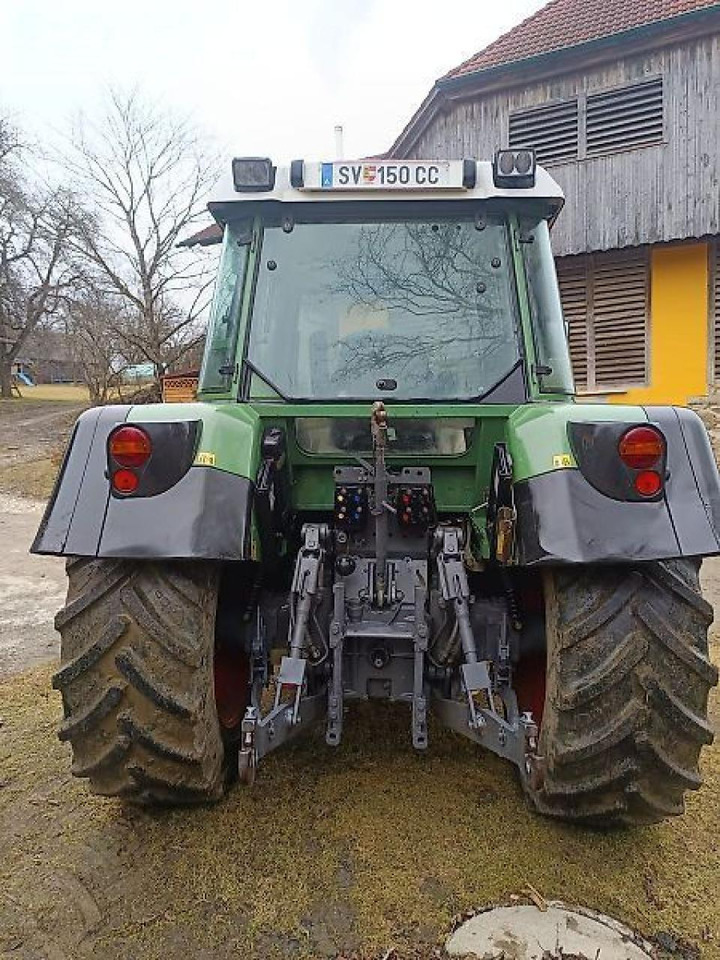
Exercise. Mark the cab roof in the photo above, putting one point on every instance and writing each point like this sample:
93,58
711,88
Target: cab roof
306,182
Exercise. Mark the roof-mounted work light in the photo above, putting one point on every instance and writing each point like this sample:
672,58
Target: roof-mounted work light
514,168
253,174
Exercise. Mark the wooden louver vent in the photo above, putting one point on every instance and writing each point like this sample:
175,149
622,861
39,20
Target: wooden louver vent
619,307
605,301
572,277
715,300
625,118
552,132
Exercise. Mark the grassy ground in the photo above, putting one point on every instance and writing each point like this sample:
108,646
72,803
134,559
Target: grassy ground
34,479
365,848
59,392
35,429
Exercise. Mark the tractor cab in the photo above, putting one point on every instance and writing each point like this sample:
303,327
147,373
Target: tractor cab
402,281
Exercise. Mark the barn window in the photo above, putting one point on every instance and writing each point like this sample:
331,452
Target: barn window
715,301
605,299
625,118
551,131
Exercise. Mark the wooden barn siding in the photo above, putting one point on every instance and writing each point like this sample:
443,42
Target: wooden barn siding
647,195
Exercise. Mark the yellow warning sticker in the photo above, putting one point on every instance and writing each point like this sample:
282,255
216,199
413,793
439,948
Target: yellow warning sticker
205,460
563,460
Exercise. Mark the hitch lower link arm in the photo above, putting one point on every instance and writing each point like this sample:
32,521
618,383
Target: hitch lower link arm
261,734
456,590
513,736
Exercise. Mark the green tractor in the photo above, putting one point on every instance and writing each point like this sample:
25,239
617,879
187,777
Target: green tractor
388,492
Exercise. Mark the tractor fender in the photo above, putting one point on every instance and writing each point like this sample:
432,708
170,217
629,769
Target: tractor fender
574,505
186,507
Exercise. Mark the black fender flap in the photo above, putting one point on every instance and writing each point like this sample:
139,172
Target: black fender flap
74,516
562,518
206,514
692,490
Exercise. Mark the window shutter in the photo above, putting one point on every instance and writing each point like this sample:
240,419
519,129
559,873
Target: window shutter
552,132
619,316
626,118
715,300
572,279
605,298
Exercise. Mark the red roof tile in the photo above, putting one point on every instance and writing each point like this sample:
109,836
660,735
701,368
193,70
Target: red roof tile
205,237
567,23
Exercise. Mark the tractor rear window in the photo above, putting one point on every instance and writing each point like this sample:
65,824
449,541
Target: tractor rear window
408,310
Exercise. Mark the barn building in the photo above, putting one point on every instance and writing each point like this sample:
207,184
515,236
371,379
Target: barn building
621,101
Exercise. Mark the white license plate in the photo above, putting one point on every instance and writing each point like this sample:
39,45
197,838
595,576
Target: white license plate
388,175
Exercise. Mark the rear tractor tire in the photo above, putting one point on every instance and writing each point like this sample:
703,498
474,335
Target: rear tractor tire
627,684
136,679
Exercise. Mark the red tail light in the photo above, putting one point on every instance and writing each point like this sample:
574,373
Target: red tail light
648,483
641,448
130,446
125,481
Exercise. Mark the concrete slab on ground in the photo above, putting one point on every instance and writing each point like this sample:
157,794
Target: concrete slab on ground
527,933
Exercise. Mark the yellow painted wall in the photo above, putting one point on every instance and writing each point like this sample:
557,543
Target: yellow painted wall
678,327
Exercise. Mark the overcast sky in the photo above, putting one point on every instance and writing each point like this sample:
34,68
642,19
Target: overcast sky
262,77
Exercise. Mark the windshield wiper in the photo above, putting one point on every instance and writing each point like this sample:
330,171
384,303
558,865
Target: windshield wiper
265,379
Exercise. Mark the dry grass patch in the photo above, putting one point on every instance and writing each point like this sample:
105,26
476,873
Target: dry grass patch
61,392
34,479
364,848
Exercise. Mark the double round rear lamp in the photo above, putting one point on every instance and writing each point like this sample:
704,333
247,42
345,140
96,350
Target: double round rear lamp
643,449
129,449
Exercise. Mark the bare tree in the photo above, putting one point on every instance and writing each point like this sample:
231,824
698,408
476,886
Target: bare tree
35,271
90,322
10,147
143,175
